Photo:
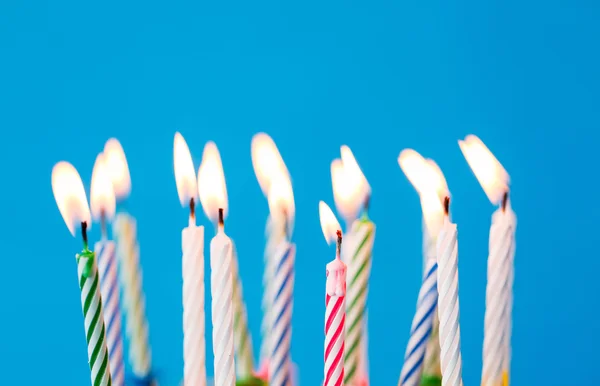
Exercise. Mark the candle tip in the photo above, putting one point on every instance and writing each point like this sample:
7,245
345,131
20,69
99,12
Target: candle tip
221,221
192,208
84,232
102,223
446,205
504,201
367,203
339,243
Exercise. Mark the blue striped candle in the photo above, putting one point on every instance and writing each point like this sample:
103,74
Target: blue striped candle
421,327
109,289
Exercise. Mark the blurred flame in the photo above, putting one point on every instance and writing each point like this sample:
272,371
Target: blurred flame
70,196
281,203
211,183
348,190
102,194
185,175
441,186
489,172
424,174
433,212
329,224
266,160
350,164
118,168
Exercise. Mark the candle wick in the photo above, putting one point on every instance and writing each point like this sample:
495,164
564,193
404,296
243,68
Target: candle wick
84,233
504,201
339,244
285,222
103,223
192,209
221,221
446,205
367,203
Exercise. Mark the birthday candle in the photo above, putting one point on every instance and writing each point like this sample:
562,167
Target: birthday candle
102,201
494,180
130,271
213,196
241,335
281,204
72,203
335,298
192,245
447,252
351,190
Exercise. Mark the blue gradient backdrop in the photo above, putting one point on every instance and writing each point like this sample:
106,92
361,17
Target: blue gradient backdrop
379,76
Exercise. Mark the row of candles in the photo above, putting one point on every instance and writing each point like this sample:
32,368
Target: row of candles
433,351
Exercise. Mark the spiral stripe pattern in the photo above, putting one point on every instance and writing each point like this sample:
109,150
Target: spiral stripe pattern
93,321
222,315
421,328
280,364
357,252
335,319
133,301
451,361
109,289
194,344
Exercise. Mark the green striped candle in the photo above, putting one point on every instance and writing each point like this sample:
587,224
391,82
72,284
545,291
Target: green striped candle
357,256
91,302
242,339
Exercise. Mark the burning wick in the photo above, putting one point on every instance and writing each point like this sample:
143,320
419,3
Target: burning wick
192,208
446,205
339,244
504,201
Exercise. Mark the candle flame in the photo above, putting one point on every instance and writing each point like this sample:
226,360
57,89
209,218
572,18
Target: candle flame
329,224
118,168
211,183
441,186
266,160
350,163
487,169
102,194
70,196
433,213
281,203
185,174
424,174
348,189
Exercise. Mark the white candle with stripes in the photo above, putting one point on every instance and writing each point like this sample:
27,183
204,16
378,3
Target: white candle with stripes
192,245
72,203
494,180
213,196
448,303
335,298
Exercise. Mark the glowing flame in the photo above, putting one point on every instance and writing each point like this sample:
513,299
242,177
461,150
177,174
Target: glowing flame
70,196
424,174
433,213
267,161
350,164
185,175
441,186
329,224
117,167
211,183
348,190
102,194
489,172
281,203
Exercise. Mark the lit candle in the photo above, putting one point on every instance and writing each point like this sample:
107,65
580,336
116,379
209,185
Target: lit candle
423,352
130,272
268,165
447,255
498,312
281,204
351,191
335,299
213,196
192,245
72,203
102,201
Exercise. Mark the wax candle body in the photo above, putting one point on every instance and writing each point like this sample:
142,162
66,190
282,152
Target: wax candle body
335,321
357,253
421,328
194,344
109,289
241,334
91,302
280,364
221,284
133,302
447,252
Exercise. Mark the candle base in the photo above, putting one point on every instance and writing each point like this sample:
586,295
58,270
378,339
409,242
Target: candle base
250,381
431,380
149,380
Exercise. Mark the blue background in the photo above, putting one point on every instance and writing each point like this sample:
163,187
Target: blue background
379,76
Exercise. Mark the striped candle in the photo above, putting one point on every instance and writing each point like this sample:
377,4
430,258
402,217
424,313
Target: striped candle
94,323
358,247
109,289
447,252
421,327
134,305
244,357
508,314
335,320
280,364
